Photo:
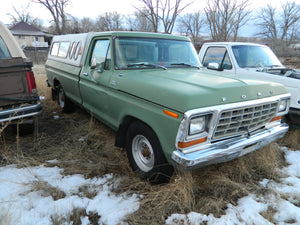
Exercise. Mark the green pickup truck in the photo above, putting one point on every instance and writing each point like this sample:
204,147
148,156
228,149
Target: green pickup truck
167,111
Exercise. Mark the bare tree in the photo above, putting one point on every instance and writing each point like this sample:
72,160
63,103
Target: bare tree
190,24
109,21
277,26
73,25
86,25
139,22
226,17
267,22
57,10
23,14
164,11
291,16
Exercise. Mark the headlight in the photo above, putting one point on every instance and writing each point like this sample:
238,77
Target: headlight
197,125
283,105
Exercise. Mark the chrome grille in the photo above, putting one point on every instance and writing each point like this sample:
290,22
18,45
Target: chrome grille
242,120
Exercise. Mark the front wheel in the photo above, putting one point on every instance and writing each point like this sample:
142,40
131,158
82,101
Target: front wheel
294,119
145,154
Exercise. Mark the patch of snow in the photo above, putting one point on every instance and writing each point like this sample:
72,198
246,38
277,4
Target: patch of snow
284,199
20,204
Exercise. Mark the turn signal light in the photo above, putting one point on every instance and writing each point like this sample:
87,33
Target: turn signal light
172,114
191,143
276,118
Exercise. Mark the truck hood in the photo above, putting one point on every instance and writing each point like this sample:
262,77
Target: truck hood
186,89
281,71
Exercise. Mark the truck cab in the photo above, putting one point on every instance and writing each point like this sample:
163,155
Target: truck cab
253,61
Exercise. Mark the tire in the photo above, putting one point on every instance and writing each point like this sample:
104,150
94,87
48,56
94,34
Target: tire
145,154
64,102
26,129
294,119
54,94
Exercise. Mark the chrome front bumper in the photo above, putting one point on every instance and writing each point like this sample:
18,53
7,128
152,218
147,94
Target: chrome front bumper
227,150
19,113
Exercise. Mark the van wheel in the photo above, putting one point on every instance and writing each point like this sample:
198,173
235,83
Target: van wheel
64,102
145,154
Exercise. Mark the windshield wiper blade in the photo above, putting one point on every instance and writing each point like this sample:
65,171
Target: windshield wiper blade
185,64
273,66
146,64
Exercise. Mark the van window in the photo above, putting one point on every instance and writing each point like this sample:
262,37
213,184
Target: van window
60,49
4,53
54,49
73,47
77,50
63,49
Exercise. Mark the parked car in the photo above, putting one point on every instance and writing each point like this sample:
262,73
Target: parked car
166,110
19,102
255,61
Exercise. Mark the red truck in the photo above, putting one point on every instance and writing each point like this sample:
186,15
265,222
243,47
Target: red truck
19,101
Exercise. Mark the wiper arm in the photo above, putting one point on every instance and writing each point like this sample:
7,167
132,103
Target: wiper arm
185,64
276,66
146,64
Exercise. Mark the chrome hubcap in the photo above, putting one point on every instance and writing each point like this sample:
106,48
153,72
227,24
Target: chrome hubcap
142,153
61,98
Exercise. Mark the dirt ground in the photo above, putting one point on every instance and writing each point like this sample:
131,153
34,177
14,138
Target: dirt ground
80,144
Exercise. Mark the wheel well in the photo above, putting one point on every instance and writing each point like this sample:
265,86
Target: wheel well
55,89
122,131
55,83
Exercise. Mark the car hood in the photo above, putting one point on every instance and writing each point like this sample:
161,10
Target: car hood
282,71
186,89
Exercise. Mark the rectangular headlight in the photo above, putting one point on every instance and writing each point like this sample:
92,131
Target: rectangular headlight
283,104
197,125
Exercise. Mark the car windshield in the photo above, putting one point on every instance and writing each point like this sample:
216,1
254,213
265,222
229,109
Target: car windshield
4,53
255,56
137,53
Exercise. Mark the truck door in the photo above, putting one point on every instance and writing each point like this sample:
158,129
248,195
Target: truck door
95,78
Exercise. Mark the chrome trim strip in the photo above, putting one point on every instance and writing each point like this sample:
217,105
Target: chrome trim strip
20,113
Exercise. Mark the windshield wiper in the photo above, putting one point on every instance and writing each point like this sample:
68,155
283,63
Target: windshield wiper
146,64
273,66
185,64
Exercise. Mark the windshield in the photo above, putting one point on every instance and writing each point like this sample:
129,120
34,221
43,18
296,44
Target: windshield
255,56
136,53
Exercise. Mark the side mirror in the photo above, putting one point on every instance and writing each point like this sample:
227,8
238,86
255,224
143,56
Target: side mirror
93,64
97,66
214,66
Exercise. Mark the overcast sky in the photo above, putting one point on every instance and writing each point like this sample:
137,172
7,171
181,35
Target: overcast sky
93,8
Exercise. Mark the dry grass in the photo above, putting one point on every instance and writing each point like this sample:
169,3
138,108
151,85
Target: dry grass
208,190
85,146
291,140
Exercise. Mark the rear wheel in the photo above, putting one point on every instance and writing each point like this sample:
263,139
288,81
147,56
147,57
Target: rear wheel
145,154
64,102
